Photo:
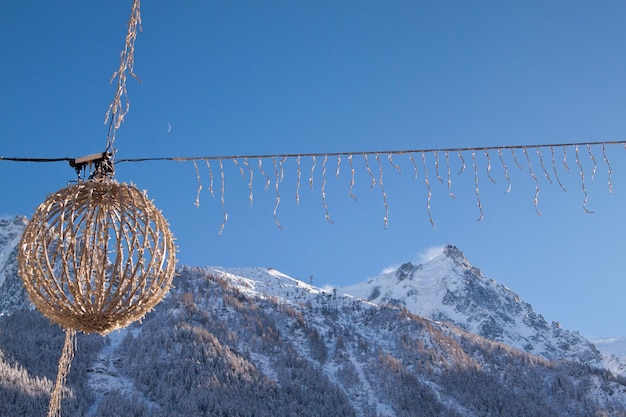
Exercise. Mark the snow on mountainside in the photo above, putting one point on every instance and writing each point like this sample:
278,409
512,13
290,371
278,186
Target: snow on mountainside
11,288
614,350
447,288
267,345
359,346
611,346
266,282
11,230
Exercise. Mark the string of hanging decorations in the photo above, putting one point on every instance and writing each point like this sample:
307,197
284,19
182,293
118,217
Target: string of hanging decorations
420,160
552,158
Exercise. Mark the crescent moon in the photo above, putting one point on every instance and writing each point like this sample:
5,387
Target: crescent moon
169,127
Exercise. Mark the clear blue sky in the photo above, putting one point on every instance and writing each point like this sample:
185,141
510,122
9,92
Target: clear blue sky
273,77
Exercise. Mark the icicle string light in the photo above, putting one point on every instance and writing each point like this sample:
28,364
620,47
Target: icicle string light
437,166
377,180
223,200
393,164
520,166
327,215
462,163
556,173
567,168
312,171
449,179
268,181
545,171
281,167
199,184
240,168
595,164
582,181
241,162
382,190
532,174
277,180
477,190
489,167
369,171
208,165
429,195
338,167
412,158
610,171
247,165
506,171
299,175
352,196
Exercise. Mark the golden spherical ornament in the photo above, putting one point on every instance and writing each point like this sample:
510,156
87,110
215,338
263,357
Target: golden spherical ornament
97,256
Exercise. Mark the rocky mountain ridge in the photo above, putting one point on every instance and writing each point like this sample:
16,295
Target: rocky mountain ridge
448,288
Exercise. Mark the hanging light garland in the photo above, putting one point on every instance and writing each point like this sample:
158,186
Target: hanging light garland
374,165
373,162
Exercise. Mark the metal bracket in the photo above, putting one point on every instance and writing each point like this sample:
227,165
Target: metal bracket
101,162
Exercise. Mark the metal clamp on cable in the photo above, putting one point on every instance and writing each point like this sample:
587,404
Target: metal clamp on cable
101,162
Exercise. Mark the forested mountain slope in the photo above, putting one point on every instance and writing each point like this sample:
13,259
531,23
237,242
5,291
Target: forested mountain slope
216,347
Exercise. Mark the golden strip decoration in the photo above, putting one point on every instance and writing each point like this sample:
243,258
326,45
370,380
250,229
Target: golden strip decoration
95,257
120,105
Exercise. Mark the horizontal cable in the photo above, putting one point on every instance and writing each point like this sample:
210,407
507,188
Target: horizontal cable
393,152
2,158
322,154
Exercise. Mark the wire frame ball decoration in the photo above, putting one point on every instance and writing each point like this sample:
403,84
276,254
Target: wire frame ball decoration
97,256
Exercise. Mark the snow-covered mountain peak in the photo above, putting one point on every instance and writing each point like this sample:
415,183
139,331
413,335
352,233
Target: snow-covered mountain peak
449,258
421,287
448,288
455,254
